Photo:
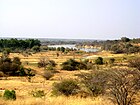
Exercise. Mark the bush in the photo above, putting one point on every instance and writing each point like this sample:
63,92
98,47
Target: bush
99,61
30,74
50,67
72,64
48,74
46,62
36,48
38,93
9,95
16,60
21,71
135,63
9,67
66,87
94,82
111,60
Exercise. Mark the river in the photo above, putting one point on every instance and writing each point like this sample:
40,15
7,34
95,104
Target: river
74,47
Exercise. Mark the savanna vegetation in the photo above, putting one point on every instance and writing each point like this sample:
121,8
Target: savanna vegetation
31,73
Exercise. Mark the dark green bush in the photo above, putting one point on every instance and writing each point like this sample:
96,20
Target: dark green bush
9,95
66,87
99,61
70,65
21,71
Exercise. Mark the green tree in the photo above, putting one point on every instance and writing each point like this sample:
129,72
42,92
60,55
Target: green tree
62,49
125,39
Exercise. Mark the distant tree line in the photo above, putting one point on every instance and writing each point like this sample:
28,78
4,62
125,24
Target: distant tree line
14,44
125,45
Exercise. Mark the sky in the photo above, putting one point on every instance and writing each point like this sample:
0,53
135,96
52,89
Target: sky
70,19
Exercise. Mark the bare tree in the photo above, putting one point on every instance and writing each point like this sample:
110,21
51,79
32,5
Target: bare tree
123,85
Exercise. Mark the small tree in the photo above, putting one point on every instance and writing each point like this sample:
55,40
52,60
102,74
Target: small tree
62,49
125,39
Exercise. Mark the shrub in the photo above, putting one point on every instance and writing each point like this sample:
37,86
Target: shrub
9,95
1,74
21,71
72,64
36,48
111,60
135,63
66,87
94,82
16,60
30,74
99,61
46,62
48,74
9,67
38,93
50,67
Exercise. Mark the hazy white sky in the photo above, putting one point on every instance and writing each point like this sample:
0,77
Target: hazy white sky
96,19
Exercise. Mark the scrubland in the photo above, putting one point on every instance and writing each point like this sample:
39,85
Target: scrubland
23,88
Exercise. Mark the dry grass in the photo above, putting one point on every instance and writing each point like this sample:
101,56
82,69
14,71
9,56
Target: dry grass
61,100
23,87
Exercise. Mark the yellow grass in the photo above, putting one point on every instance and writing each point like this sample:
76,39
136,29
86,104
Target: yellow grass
61,100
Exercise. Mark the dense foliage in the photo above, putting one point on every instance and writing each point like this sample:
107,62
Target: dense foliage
9,95
13,67
10,67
